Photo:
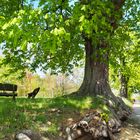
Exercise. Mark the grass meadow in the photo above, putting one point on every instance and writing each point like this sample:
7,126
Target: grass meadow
43,115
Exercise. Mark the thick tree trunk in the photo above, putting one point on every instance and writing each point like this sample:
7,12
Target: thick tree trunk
123,79
95,80
124,86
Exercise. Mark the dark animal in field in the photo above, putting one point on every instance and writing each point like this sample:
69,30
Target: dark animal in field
34,93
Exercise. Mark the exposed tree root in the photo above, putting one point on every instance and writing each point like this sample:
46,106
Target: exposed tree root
93,127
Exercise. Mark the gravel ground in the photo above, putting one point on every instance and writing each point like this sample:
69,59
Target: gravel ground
131,129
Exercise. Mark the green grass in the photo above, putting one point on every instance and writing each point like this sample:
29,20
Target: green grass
137,97
128,102
36,114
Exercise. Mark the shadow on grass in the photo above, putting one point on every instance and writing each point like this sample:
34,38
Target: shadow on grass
34,114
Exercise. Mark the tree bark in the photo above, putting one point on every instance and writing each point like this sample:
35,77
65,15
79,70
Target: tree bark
124,79
95,80
124,86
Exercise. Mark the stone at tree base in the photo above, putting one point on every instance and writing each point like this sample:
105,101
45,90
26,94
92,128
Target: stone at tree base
21,136
28,135
94,127
90,127
114,125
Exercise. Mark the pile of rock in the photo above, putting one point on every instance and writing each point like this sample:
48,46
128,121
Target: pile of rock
28,135
94,127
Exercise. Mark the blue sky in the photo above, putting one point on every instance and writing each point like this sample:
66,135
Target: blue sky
35,3
0,53
0,50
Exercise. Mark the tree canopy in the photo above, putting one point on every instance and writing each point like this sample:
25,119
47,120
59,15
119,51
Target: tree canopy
50,35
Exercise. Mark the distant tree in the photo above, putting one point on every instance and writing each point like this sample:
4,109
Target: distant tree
134,82
126,62
6,77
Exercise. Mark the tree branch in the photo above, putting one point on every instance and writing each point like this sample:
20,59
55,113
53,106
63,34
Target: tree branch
118,4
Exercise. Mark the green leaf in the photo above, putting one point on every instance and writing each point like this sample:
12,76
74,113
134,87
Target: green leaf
24,45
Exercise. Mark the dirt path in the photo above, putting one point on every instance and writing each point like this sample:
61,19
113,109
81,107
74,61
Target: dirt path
131,130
